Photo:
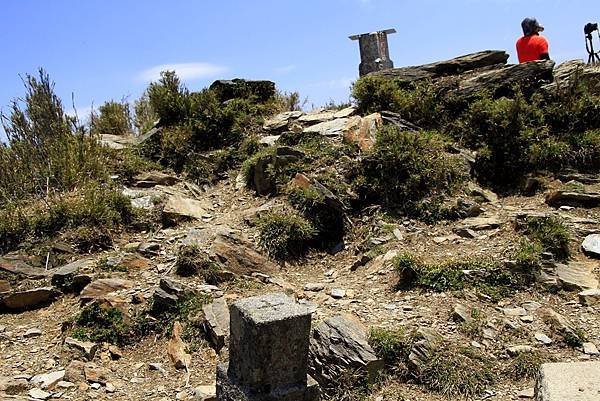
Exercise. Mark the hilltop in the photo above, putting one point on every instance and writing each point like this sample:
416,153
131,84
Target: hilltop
453,208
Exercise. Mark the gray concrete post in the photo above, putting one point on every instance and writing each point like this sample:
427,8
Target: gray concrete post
374,51
268,352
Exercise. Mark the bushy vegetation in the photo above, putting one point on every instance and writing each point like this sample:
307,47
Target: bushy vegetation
192,261
112,118
102,323
548,234
526,365
490,277
407,172
285,236
513,136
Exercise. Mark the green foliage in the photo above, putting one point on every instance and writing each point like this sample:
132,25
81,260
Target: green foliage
526,365
391,345
489,277
47,151
421,104
285,236
326,218
550,234
457,373
352,385
145,116
88,239
102,323
406,171
473,328
191,261
93,207
113,118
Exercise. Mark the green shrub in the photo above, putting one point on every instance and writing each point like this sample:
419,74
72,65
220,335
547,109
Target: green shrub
526,365
326,217
405,168
550,233
113,118
88,239
102,323
457,373
191,261
47,151
285,236
489,277
391,345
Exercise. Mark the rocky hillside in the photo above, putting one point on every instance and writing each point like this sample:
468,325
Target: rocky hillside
451,216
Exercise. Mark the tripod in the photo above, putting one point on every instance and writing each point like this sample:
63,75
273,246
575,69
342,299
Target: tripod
593,56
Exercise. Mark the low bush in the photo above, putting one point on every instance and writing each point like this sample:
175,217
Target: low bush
407,171
102,323
285,236
192,261
391,345
112,118
526,365
491,278
549,234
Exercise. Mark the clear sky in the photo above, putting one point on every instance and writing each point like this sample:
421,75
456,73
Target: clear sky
110,49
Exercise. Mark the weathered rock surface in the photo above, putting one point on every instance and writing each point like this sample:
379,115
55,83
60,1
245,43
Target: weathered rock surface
591,245
589,297
574,381
240,258
47,380
576,276
339,344
86,348
18,267
176,349
574,199
178,208
67,277
27,300
151,179
216,322
481,223
560,323
99,289
429,341
117,142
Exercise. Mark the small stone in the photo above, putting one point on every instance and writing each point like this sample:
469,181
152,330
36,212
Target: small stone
519,349
544,339
95,374
475,344
314,287
338,293
136,380
158,367
528,393
110,388
590,349
96,386
205,393
39,394
527,319
48,380
531,306
115,352
589,297
350,293
462,314
514,311
65,384
87,349
35,332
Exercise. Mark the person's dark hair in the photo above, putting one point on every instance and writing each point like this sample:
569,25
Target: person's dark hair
530,26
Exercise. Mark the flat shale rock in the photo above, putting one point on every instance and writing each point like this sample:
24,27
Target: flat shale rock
576,276
338,344
574,199
216,322
568,381
99,289
27,300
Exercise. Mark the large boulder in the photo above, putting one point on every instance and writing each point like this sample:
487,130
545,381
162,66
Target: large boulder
573,198
340,344
27,300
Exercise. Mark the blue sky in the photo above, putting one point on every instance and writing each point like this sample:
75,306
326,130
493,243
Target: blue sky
110,49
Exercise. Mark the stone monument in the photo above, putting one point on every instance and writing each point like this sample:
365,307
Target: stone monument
268,352
374,51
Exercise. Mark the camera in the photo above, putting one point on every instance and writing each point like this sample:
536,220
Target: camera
590,27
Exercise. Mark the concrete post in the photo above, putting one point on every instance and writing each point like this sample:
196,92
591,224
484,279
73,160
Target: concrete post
268,352
374,51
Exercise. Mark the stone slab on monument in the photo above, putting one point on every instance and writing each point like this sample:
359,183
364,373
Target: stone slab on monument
575,381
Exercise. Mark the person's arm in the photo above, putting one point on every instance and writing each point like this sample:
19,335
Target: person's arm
544,52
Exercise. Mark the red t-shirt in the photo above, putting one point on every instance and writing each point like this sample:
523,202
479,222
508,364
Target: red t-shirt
530,48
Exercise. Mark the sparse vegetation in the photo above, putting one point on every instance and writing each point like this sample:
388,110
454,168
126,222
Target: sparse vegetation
526,365
102,323
549,234
391,345
285,236
192,261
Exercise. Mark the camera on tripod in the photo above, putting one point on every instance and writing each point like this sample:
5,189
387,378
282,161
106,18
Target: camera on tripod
594,56
590,27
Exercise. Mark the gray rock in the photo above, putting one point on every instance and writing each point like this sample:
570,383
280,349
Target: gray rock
216,322
317,116
465,232
20,268
268,351
270,140
28,300
328,128
64,277
86,348
143,202
512,312
589,297
101,288
39,394
281,121
462,314
560,323
35,332
205,393
568,381
179,208
150,179
519,349
340,344
591,245
429,340
575,199
482,223
544,339
314,287
338,293
117,142
576,276
590,349
48,380
346,112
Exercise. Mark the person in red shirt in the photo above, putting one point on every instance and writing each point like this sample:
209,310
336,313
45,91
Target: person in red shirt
531,46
